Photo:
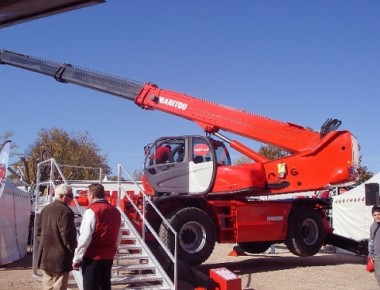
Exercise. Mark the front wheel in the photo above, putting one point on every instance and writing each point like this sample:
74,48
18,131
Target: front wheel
196,235
306,234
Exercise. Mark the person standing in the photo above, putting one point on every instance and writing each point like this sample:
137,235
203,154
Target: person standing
374,241
100,234
57,236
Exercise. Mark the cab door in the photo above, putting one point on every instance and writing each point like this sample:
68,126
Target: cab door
190,166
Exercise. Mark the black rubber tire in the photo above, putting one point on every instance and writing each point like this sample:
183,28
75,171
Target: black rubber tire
306,234
196,235
255,247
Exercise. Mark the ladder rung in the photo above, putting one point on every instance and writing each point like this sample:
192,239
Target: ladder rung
137,267
131,256
135,279
129,247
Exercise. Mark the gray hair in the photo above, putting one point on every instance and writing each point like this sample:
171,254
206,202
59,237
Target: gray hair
63,189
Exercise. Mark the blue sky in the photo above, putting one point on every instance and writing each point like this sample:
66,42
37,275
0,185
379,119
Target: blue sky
296,61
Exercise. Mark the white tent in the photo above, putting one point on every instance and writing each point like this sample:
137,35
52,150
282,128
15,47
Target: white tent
14,223
350,216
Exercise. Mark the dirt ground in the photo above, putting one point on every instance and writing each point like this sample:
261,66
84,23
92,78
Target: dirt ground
277,271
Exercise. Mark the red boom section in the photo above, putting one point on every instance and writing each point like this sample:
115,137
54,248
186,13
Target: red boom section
329,163
212,117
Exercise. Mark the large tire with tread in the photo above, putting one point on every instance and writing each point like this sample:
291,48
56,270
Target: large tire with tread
306,234
196,235
255,247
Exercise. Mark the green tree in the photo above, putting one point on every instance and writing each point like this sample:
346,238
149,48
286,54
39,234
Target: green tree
364,175
268,151
272,152
67,149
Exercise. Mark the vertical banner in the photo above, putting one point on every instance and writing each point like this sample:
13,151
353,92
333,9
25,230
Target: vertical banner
4,158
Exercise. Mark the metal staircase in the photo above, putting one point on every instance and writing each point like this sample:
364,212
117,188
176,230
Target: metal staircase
135,266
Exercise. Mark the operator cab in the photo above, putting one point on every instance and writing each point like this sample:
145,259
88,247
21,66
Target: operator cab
183,165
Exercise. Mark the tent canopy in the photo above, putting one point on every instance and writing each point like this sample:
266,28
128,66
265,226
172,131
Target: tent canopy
16,11
350,215
14,223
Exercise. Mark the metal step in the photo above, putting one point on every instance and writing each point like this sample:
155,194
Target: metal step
134,267
135,279
128,238
129,247
124,256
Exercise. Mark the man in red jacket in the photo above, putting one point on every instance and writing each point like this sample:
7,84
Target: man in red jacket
100,235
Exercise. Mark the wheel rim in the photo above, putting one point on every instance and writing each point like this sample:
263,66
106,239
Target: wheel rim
309,232
192,237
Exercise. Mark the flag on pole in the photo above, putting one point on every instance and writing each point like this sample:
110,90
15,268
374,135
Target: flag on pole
4,158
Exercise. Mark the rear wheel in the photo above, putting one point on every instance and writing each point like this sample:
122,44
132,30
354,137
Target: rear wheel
305,234
196,235
255,247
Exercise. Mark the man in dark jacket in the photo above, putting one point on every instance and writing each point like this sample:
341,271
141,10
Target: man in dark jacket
57,238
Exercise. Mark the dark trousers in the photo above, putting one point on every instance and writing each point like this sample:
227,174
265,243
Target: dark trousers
96,274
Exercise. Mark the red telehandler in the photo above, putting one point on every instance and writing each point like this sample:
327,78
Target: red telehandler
204,197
